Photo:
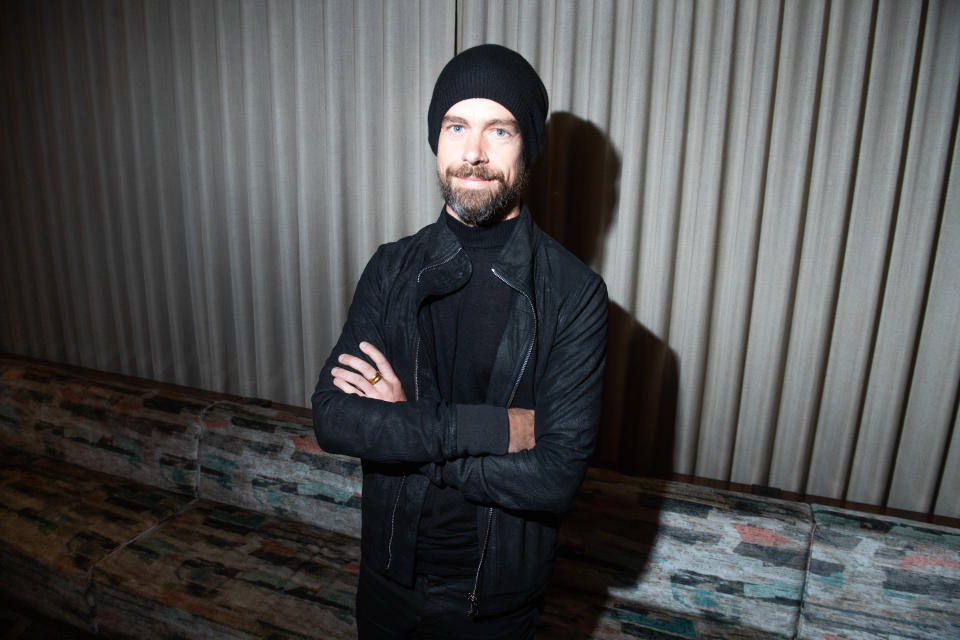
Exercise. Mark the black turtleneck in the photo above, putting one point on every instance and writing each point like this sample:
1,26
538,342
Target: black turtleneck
467,327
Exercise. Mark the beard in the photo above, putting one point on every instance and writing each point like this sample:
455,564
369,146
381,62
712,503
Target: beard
482,207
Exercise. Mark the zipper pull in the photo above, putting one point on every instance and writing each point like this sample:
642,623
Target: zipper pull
472,608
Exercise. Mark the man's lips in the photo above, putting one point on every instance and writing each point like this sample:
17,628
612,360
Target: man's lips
473,180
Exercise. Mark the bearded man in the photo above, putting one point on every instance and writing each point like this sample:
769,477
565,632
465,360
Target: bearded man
468,378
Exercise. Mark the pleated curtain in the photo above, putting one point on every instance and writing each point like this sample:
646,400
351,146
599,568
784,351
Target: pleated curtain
771,191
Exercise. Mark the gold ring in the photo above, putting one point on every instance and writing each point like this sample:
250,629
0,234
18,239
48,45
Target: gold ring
375,379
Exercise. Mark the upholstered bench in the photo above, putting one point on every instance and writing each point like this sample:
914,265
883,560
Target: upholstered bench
137,510
877,577
271,549
219,571
59,521
652,558
88,465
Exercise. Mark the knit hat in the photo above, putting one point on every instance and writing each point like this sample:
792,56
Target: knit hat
499,74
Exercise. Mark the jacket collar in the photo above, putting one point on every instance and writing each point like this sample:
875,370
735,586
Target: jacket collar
515,262
446,267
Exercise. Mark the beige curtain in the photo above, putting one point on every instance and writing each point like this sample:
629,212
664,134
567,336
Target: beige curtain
770,189
191,189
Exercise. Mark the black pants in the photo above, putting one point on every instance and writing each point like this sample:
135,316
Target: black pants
436,608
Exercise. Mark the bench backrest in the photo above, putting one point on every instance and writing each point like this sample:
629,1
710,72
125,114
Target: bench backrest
268,460
244,454
117,427
714,560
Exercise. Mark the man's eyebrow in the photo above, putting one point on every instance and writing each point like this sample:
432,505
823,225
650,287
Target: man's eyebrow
503,123
496,122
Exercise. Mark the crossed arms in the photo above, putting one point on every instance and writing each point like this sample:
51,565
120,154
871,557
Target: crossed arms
453,443
359,379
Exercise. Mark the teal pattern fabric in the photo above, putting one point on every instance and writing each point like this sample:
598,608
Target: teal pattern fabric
578,616
58,521
877,577
140,510
710,560
268,460
122,428
219,571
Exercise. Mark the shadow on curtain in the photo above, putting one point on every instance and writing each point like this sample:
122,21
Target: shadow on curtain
573,194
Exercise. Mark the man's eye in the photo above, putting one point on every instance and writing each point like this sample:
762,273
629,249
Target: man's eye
501,133
456,128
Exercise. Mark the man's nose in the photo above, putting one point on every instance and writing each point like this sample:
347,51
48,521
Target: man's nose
474,149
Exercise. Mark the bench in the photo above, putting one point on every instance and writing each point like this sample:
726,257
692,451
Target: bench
134,509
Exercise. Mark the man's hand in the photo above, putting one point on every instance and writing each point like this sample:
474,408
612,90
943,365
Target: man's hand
357,379
521,430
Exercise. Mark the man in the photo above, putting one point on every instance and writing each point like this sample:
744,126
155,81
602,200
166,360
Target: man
467,378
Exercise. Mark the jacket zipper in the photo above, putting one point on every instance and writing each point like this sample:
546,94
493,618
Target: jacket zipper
416,355
533,339
473,598
416,369
438,263
416,396
393,521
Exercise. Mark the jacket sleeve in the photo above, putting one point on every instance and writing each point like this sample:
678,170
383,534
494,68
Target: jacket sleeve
567,412
424,431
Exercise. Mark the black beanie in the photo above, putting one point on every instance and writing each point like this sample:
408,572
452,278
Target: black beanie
499,74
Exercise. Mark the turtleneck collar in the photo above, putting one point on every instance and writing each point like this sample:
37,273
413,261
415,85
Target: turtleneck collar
492,237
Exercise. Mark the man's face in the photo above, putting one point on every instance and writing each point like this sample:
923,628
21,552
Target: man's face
480,162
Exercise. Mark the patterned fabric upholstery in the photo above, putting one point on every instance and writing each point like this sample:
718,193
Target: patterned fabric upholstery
877,577
218,571
572,615
706,561
59,520
124,429
147,512
268,460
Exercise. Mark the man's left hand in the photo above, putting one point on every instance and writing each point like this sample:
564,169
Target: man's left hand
377,381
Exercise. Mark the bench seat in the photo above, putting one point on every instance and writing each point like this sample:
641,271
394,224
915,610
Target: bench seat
60,520
220,571
873,576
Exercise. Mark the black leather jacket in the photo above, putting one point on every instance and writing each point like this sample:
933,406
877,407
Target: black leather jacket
556,331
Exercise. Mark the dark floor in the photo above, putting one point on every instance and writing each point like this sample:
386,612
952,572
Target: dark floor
20,622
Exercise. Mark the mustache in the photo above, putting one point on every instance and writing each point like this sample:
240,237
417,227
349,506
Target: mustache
483,173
